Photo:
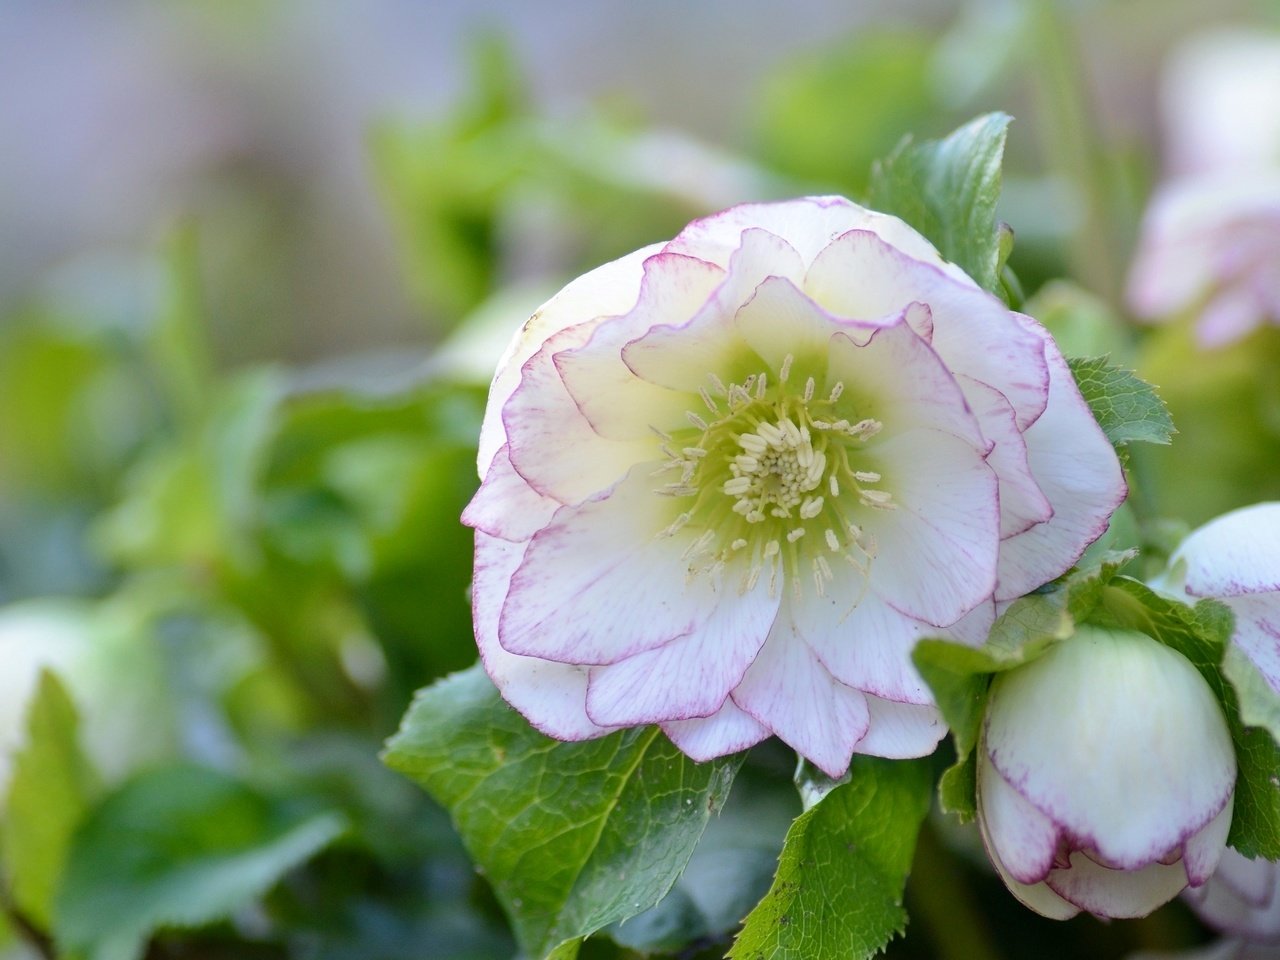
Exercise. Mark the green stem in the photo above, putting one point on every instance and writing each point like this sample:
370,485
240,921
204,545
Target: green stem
939,898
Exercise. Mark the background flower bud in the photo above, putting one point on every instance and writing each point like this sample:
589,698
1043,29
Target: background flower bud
1105,776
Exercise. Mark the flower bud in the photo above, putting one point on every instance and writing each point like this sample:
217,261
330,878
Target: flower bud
1105,776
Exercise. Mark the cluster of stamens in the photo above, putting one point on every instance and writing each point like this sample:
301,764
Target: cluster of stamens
765,469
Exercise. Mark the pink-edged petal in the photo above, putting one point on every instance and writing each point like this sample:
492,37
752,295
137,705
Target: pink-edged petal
1232,314
551,696
1203,851
1121,894
1257,632
1240,898
788,690
608,290
901,731
1020,836
691,675
1035,896
937,548
552,445
1163,769
684,354
506,506
598,584
616,402
1252,881
778,321
726,731
1022,502
897,378
1077,469
860,275
1235,554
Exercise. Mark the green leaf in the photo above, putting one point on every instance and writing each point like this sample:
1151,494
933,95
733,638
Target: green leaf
838,890
1202,634
1127,408
176,847
52,786
948,189
573,836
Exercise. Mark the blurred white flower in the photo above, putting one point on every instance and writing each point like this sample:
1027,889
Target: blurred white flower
1105,776
729,480
113,683
1210,240
1241,899
1235,558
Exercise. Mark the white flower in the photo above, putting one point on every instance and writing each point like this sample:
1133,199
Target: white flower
1235,558
1241,899
729,480
1105,776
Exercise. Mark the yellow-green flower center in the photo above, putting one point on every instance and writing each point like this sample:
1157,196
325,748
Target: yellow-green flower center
771,472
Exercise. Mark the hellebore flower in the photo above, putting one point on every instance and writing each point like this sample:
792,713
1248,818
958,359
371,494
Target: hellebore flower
730,479
1235,558
1105,776
1242,899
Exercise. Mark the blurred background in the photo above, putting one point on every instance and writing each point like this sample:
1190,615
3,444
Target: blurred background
257,261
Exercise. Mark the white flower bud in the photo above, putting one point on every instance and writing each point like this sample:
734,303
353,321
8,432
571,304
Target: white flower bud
1106,776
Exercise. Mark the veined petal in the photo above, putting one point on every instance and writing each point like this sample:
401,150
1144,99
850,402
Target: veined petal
598,584
1020,836
1257,632
1203,851
618,404
788,690
1235,554
1121,894
551,696
778,321
607,290
901,731
552,445
681,356
938,547
726,731
972,331
1022,502
506,506
690,676
1077,469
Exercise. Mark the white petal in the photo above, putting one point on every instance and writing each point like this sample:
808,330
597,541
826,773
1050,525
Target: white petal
550,442
1077,469
689,676
809,224
1202,852
860,275
1020,836
901,731
598,584
552,696
505,505
778,320
1235,554
1257,632
788,690
897,378
605,291
1240,899
681,355
1120,894
1022,502
1035,896
938,548
726,731
616,402
1118,739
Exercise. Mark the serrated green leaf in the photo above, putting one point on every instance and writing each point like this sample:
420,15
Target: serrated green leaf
1201,634
1126,407
176,847
838,889
52,786
948,190
573,836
